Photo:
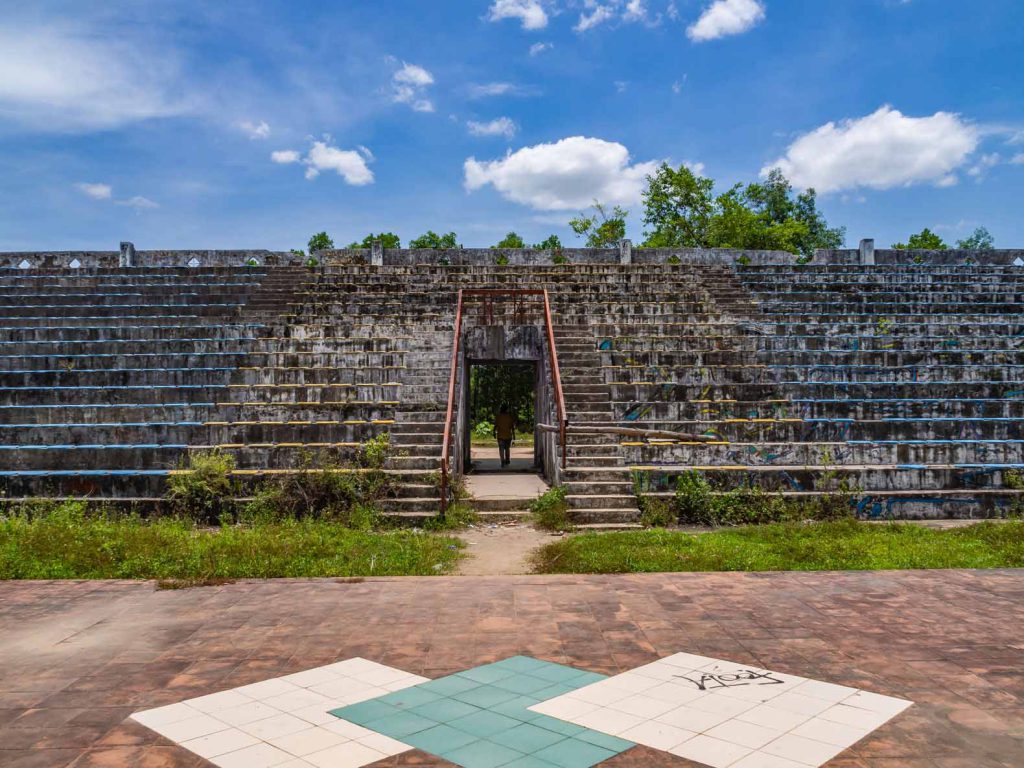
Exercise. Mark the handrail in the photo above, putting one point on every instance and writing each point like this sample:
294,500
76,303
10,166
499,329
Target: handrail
445,446
556,375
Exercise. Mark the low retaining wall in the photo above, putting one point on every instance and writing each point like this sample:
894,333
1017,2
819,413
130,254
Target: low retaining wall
491,256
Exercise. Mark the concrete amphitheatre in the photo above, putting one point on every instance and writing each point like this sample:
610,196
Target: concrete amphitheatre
895,375
877,384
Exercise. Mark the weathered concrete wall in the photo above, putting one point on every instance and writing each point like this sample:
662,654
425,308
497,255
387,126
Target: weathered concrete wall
491,256
110,259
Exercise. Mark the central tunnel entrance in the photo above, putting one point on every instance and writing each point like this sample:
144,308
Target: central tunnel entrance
502,406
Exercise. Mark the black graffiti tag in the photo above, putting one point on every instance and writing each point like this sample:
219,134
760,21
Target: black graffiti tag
708,682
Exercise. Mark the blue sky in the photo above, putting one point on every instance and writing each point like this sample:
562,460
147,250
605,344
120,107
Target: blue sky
213,125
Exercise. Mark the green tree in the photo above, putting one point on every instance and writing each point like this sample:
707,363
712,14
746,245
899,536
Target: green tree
980,240
552,243
678,208
925,240
433,240
387,239
511,240
681,211
601,230
320,242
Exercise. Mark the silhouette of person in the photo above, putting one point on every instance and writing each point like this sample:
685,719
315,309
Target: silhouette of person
505,432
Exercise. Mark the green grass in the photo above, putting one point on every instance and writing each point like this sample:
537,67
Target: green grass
68,544
840,546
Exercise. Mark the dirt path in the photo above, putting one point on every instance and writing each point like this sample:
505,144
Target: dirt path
500,550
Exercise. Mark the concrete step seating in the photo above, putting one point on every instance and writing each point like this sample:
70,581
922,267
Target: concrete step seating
901,384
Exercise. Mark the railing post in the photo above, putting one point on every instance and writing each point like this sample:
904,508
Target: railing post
867,252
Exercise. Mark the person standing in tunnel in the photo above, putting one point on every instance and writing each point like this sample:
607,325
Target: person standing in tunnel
505,432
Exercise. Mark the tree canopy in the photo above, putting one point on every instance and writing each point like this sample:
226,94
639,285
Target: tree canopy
601,229
681,211
321,241
552,243
925,240
433,240
980,240
511,240
387,239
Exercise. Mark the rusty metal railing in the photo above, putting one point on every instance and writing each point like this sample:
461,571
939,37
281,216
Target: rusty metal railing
518,315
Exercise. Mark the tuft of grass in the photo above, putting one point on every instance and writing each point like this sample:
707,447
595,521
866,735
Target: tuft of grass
845,545
457,517
69,543
550,511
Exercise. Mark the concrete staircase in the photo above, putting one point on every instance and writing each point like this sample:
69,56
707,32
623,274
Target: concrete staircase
907,382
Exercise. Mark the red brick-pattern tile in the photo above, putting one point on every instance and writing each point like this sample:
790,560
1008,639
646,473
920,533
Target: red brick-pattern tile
77,657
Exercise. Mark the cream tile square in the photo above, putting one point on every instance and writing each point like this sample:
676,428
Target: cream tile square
380,676
311,677
836,734
773,717
658,671
642,706
688,661
876,702
172,713
804,705
801,750
761,760
657,735
296,762
192,728
246,713
319,714
384,744
256,756
341,687
296,700
218,701
858,718
608,721
564,708
402,683
302,743
713,752
275,726
829,691
674,692
722,705
693,719
350,755
350,731
600,694
743,733
630,682
267,689
220,743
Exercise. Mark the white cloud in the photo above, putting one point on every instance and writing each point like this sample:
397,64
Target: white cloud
598,14
350,164
567,174
726,17
538,48
677,87
60,78
95,191
621,86
258,130
285,156
530,12
485,90
1018,159
985,163
409,84
501,126
880,151
138,203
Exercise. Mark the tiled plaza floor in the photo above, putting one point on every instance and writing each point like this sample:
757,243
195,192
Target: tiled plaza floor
76,659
